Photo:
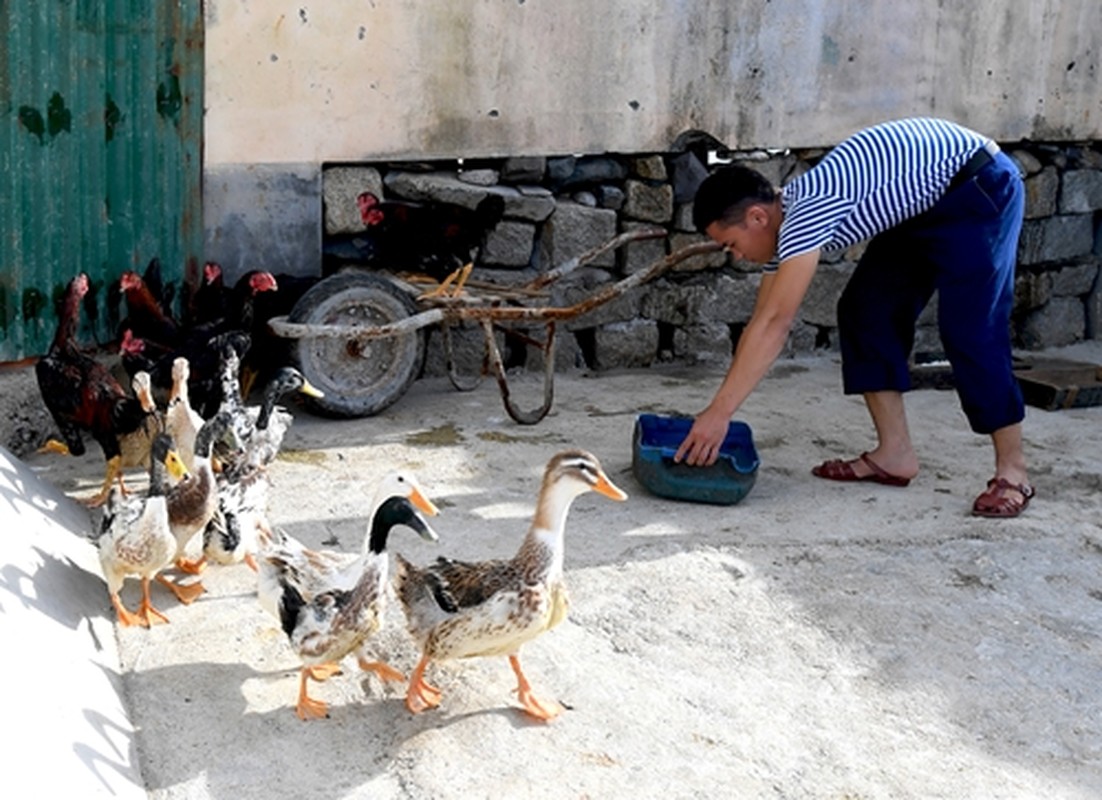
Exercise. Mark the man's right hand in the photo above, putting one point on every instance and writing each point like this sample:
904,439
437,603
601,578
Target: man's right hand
701,446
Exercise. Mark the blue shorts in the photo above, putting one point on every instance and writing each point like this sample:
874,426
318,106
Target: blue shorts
965,248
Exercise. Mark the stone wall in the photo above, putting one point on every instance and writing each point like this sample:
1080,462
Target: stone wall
559,207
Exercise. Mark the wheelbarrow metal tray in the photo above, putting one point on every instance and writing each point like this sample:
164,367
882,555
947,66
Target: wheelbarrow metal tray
726,482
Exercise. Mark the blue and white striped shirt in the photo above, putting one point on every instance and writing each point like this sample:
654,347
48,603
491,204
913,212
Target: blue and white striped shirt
871,182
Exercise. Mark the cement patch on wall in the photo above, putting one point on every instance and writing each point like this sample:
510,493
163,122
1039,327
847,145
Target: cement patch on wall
261,216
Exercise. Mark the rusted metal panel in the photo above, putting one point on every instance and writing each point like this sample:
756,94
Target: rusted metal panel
100,153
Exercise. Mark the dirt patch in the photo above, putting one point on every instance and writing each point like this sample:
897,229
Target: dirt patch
817,640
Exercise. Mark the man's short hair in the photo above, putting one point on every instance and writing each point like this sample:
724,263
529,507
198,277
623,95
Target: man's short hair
725,195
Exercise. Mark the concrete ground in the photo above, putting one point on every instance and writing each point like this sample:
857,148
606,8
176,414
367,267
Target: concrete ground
817,640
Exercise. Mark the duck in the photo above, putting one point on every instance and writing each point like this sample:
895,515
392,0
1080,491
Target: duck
191,504
135,447
182,422
457,609
318,571
232,534
268,423
134,536
337,621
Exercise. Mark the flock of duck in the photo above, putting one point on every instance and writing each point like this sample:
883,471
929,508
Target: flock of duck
208,479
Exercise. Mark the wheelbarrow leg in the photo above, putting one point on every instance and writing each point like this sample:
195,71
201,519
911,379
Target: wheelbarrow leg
523,417
449,358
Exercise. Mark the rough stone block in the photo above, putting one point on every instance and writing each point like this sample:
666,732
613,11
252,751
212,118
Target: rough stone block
609,196
1060,322
340,186
801,340
1028,163
820,305
626,344
479,177
1081,192
1076,280
649,168
568,355
581,286
639,255
445,187
703,343
714,260
510,244
586,170
775,169
1031,290
649,202
735,296
523,169
688,173
1040,193
683,218
1056,238
679,304
468,350
574,229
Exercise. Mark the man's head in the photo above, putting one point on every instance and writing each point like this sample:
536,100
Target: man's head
739,208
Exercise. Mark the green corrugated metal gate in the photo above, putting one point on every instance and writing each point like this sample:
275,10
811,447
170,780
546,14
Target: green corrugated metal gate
100,155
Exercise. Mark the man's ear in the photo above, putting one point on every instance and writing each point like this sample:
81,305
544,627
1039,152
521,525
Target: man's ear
757,216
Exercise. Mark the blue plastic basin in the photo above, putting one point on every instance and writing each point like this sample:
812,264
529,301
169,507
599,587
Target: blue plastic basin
725,482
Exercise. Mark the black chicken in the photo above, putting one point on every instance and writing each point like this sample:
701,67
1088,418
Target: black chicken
163,293
270,353
146,318
81,394
433,239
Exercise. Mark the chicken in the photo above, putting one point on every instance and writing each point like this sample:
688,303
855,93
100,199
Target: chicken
81,394
211,300
432,239
271,353
146,318
163,293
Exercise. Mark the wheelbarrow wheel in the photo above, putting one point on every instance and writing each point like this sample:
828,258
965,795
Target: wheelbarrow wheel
359,378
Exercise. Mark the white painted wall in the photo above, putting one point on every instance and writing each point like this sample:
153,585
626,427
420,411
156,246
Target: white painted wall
311,81
292,85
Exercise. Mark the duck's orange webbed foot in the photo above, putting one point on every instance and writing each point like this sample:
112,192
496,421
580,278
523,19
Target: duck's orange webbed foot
185,593
307,707
421,695
191,567
126,618
147,614
382,669
542,710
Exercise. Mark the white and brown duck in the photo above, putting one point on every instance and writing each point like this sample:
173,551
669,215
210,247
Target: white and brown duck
458,609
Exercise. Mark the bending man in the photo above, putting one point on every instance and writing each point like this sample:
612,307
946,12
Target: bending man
942,208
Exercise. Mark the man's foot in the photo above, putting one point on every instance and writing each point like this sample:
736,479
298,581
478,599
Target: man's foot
1003,499
862,468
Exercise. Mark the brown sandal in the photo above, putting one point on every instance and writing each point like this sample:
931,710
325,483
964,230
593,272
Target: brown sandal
838,470
994,503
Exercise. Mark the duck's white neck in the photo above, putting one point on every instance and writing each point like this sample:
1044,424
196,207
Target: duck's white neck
542,550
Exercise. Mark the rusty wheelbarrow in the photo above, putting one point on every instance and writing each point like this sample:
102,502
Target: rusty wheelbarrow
360,336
